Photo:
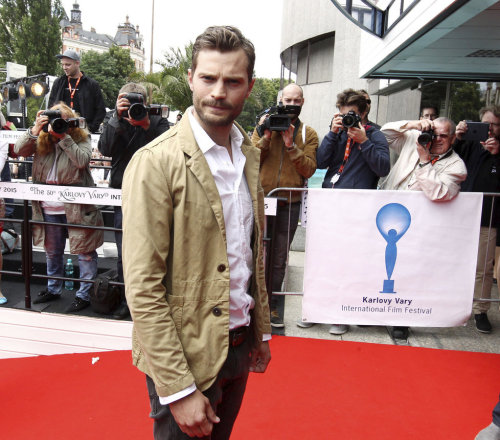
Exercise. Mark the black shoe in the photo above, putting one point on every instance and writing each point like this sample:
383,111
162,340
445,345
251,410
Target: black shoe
276,320
121,312
45,296
77,304
482,323
400,333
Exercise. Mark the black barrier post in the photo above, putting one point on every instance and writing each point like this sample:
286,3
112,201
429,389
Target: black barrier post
26,257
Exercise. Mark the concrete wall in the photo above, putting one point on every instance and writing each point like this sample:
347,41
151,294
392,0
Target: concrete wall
303,21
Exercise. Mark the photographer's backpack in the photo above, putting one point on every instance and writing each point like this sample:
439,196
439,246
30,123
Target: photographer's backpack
105,297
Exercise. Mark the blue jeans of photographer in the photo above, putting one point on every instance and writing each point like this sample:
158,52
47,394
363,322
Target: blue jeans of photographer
55,241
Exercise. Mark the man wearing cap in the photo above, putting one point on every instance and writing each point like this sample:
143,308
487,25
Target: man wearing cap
78,91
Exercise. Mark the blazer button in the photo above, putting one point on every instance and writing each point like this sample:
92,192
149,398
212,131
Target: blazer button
216,311
221,267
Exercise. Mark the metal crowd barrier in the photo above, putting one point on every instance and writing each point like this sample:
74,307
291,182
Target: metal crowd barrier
268,241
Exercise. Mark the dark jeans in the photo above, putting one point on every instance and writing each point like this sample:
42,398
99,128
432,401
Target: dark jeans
225,396
285,224
496,414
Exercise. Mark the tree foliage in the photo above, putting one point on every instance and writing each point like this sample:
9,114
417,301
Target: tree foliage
110,69
30,34
465,99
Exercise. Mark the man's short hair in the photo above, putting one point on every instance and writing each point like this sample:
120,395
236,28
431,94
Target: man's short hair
495,109
433,107
443,120
224,39
352,97
135,88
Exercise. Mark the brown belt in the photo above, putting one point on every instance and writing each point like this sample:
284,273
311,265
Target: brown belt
238,336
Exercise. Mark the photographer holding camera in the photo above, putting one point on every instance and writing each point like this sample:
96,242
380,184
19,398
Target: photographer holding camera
288,158
355,155
426,163
482,159
128,128
62,153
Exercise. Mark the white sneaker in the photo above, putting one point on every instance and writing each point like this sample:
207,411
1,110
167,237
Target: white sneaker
338,329
304,324
491,432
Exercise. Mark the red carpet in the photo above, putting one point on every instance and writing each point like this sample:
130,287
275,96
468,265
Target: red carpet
314,389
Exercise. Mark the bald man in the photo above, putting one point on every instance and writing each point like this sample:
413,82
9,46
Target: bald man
287,159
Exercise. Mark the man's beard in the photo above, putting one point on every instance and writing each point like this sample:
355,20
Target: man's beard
216,120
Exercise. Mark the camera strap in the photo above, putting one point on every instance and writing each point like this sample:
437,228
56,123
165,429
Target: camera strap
73,91
435,159
347,153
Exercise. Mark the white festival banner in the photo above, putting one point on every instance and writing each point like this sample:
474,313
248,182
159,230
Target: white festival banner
58,193
390,258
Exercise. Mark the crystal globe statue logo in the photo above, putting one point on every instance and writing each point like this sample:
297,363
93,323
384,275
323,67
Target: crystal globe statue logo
393,220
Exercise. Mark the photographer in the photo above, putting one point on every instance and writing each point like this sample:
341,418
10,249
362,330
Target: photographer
121,137
482,160
62,157
355,155
287,159
426,163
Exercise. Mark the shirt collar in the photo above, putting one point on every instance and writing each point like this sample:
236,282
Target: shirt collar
204,141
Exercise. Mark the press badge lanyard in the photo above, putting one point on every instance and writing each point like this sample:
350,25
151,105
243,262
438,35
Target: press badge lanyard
347,152
73,91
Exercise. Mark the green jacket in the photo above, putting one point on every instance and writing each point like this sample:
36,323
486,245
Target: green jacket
72,170
175,261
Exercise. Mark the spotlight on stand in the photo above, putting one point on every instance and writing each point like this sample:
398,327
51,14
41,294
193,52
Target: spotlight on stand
38,88
9,93
22,90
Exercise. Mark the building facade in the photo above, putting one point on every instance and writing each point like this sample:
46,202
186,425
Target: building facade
127,36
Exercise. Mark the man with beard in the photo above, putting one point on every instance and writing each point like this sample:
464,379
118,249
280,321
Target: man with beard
78,91
482,160
287,159
193,213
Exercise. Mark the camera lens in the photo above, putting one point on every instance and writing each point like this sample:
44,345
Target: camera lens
59,125
137,111
424,138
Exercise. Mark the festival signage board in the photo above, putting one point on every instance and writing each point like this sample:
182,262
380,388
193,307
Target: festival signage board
390,258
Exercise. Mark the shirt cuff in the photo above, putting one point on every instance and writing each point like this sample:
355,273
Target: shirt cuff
266,337
178,396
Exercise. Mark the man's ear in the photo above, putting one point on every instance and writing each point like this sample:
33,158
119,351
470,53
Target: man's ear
250,87
190,79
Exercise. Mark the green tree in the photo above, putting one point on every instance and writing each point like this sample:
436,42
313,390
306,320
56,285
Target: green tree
465,98
170,86
110,69
264,94
30,34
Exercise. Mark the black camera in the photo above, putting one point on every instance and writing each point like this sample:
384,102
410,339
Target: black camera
278,118
350,119
60,125
138,110
425,138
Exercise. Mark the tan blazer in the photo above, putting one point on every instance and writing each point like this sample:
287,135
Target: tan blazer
175,261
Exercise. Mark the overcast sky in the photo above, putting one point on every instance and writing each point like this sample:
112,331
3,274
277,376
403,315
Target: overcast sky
179,22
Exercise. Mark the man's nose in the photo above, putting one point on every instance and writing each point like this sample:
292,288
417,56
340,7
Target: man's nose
219,90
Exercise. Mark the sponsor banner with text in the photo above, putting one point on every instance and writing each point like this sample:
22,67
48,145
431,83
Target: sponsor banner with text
59,193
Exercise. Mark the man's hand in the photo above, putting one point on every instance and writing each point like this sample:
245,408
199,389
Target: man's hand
357,134
287,136
336,124
461,129
261,356
492,145
420,125
122,107
194,414
423,153
267,133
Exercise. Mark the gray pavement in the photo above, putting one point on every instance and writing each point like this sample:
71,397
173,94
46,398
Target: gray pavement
465,338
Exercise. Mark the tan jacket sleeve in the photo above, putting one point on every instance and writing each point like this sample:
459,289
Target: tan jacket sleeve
147,203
